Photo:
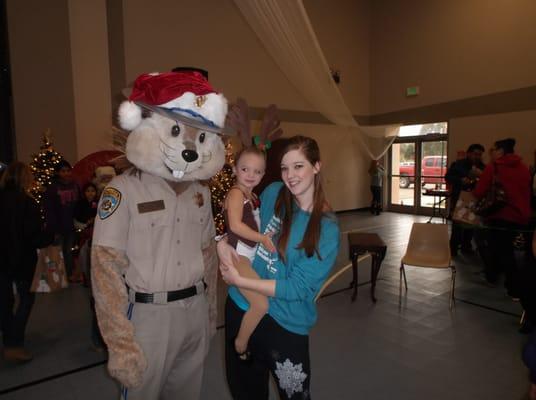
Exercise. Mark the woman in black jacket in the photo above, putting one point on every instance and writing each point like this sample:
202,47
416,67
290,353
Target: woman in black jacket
21,235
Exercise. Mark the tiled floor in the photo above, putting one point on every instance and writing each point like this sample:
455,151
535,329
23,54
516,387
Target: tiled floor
359,350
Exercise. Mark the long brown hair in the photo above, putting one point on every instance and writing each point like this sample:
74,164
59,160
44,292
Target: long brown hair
17,176
284,203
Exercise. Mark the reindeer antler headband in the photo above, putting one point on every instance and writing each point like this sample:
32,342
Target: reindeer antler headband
238,118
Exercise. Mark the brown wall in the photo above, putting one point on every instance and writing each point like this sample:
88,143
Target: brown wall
40,57
91,75
490,128
452,49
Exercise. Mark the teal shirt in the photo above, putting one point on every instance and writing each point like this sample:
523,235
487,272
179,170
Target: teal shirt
299,280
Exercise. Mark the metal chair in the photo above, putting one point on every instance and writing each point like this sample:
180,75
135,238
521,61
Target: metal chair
428,247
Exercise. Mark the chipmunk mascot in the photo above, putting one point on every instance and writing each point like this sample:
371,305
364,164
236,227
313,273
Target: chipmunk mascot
153,246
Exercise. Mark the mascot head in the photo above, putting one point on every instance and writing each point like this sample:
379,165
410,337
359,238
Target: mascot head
176,121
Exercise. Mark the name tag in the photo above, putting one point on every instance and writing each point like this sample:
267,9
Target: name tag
151,206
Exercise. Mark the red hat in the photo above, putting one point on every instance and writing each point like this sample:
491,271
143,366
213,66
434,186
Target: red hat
184,96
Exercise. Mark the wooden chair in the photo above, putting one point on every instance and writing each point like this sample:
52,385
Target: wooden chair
428,247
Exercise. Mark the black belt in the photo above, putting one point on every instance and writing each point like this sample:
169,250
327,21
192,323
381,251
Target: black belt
166,297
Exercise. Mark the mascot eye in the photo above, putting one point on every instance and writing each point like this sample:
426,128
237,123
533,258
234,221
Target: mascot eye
175,131
202,137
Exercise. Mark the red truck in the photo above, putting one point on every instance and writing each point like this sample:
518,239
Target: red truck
433,170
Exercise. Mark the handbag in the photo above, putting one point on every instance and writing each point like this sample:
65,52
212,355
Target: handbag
464,210
495,198
50,273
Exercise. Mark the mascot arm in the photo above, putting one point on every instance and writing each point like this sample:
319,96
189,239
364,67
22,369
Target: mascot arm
126,361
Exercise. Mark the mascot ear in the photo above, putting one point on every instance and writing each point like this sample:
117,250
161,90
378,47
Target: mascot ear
129,115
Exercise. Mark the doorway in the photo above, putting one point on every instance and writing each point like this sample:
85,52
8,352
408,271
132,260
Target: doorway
417,167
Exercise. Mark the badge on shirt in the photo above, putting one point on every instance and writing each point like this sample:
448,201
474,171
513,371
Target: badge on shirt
198,198
110,200
150,206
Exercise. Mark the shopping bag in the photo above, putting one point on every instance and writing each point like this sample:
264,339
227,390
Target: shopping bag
464,210
50,274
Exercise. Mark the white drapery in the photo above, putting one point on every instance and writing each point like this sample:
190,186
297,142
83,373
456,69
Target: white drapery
287,34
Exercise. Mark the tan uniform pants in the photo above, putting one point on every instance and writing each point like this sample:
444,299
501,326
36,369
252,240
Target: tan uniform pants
175,340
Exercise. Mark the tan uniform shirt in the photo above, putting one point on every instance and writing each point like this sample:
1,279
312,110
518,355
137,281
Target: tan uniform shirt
162,233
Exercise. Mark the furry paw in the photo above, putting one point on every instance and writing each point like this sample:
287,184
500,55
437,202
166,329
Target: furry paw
128,367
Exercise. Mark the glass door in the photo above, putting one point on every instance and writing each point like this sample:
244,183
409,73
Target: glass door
433,170
417,168
402,177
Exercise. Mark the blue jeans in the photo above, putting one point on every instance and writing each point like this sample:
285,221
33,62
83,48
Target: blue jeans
13,322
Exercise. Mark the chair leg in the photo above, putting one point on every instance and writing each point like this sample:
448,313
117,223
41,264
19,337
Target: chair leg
451,302
400,288
403,272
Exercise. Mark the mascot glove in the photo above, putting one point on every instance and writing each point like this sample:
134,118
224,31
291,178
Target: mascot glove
128,366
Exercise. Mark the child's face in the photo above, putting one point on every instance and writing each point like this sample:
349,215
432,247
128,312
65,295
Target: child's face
90,193
65,174
249,170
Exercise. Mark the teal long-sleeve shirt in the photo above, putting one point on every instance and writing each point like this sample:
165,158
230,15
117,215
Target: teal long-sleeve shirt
300,278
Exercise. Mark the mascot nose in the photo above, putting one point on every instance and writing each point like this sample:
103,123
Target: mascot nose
189,155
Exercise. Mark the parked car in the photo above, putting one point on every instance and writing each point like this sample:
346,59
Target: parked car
433,170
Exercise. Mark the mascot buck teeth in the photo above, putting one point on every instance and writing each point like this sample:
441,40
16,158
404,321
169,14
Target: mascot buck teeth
153,245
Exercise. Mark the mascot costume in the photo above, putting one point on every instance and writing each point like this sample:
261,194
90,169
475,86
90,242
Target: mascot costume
153,246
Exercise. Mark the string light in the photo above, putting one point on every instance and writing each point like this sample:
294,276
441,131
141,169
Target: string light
219,186
42,168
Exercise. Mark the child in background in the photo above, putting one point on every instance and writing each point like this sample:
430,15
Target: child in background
85,212
242,221
59,204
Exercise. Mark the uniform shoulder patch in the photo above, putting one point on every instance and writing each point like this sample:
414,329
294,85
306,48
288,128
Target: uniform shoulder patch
110,199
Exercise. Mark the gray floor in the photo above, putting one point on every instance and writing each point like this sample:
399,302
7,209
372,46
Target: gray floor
359,350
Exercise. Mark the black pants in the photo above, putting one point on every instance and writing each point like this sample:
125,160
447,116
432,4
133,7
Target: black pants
497,252
13,323
460,237
376,198
273,350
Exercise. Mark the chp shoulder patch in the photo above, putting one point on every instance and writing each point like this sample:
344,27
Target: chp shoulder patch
110,200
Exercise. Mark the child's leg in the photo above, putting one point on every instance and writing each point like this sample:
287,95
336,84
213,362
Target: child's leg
258,306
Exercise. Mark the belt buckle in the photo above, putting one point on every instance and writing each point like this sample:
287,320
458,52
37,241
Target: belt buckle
160,298
200,287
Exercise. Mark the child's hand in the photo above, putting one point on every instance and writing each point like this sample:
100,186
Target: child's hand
267,242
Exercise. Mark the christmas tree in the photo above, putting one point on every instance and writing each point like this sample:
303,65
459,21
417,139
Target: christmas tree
43,167
219,186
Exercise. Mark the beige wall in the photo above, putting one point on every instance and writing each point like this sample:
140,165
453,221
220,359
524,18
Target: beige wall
91,75
344,164
452,49
212,34
41,75
490,128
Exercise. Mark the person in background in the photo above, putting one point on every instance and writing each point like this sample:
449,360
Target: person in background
85,213
463,175
21,235
59,204
376,172
529,351
504,224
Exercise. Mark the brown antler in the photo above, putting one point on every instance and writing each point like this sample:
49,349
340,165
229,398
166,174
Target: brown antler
238,119
270,129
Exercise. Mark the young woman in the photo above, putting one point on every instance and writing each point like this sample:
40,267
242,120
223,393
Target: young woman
514,176
21,235
306,236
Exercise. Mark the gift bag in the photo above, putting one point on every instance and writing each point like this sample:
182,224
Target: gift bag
50,273
464,209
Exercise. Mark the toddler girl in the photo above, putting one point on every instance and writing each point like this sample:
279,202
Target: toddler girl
242,221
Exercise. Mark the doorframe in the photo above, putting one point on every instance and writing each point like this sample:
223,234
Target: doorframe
416,208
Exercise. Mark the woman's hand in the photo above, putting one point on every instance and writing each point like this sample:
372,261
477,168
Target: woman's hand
227,254
230,275
267,242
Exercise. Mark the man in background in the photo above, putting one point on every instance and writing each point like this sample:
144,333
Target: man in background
463,175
